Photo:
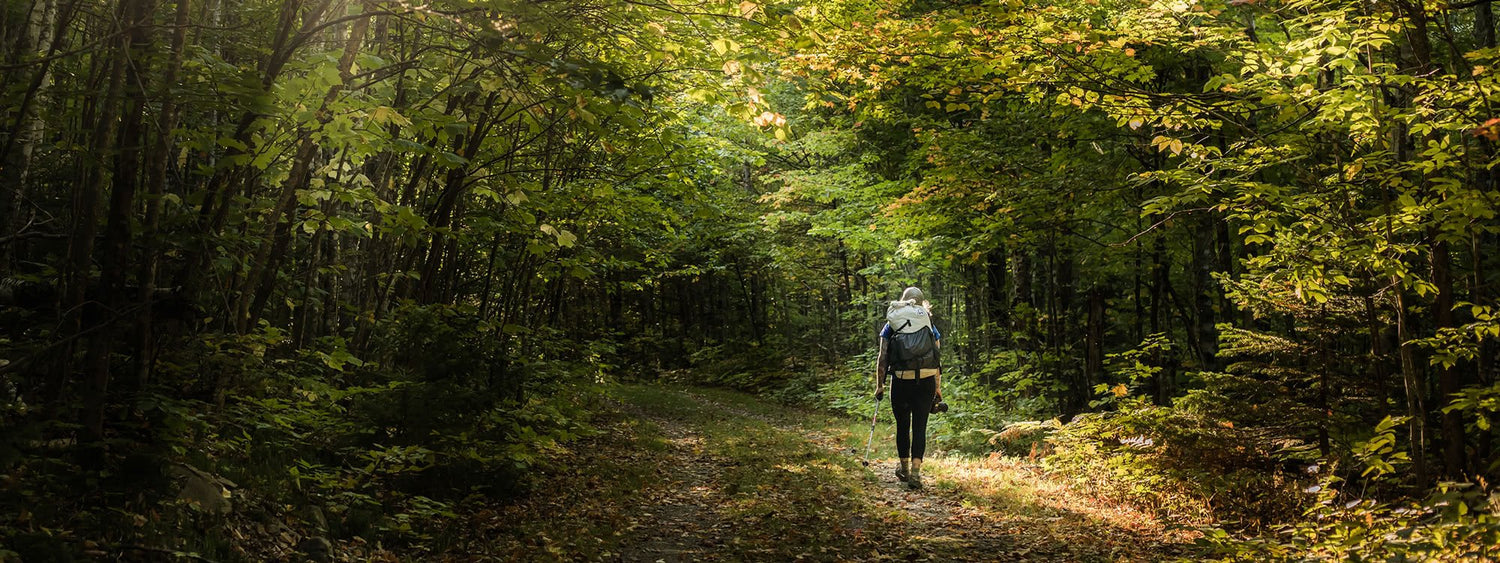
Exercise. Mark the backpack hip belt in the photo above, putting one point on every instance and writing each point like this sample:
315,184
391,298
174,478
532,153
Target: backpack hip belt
916,373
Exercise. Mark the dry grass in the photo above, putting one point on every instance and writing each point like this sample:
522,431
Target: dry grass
1016,488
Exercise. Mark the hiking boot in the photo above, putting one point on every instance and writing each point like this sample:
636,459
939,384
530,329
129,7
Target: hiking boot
914,479
901,474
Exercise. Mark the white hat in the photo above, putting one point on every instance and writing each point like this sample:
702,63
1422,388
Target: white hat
911,294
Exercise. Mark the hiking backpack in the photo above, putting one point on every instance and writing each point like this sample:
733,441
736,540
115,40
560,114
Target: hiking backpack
911,343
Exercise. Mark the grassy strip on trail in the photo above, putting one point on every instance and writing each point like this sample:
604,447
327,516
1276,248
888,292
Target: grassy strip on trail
776,483
1047,515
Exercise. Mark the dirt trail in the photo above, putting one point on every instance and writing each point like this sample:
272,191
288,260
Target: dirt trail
939,524
940,527
935,524
694,517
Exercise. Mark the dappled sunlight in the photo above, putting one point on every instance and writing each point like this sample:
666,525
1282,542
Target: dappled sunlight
792,468
1007,488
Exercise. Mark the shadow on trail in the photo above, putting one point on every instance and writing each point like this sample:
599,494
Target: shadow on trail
762,493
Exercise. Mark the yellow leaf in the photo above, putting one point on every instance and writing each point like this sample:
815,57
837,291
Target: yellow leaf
1353,169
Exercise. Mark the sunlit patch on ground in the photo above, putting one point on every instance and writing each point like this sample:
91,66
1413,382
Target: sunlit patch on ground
1009,489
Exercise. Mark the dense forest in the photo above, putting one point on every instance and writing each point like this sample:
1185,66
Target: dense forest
337,279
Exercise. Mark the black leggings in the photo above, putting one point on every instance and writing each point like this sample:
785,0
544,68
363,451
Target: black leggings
911,400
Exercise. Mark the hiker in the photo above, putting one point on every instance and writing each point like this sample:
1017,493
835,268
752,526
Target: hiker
909,352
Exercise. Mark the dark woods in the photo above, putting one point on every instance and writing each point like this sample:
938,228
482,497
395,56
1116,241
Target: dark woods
355,269
361,257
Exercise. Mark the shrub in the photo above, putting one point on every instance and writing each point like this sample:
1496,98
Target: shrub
387,447
1179,462
1030,438
1456,522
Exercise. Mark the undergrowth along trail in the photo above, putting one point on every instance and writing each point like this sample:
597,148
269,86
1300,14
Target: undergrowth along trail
725,476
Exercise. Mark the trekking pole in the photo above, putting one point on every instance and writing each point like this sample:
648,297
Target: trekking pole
871,439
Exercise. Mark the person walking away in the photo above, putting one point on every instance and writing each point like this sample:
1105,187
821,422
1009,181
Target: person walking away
909,344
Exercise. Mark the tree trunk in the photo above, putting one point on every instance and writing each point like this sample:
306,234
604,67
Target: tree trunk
1093,364
999,307
1159,280
213,212
1205,263
1484,364
1448,377
130,14
489,274
1484,24
156,180
1415,389
1377,354
42,41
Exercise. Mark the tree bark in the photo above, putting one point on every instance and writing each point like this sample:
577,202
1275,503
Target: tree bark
98,311
1205,263
1415,389
1159,263
1484,364
213,212
1093,364
1448,377
156,180
1484,24
999,307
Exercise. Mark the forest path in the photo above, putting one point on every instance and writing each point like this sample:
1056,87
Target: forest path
737,478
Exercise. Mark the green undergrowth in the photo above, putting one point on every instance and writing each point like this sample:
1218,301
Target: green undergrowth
293,452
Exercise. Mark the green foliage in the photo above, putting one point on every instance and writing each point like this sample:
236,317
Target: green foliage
1455,522
1179,462
974,407
321,428
379,257
1016,382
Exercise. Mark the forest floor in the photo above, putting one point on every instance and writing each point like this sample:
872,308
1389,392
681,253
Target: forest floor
694,474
